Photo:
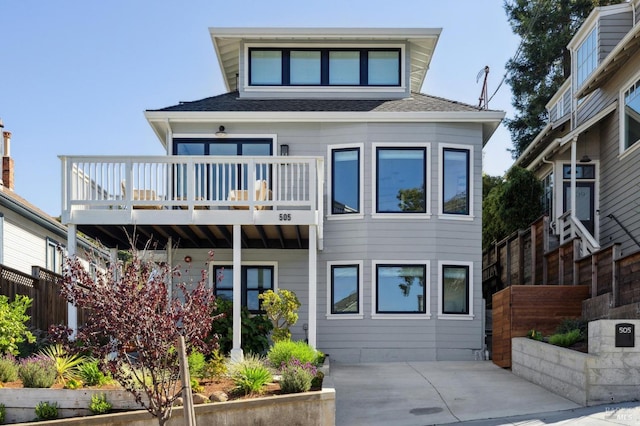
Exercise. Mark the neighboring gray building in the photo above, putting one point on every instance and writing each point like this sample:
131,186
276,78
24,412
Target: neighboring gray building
594,129
325,171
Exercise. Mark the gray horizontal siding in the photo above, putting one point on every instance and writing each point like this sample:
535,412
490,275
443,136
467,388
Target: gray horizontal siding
612,29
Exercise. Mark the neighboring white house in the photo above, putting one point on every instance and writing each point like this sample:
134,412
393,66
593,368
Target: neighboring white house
322,170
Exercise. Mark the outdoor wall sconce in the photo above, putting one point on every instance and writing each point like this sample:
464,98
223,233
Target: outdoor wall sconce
284,150
187,259
221,132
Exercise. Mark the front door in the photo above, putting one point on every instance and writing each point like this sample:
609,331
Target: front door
585,206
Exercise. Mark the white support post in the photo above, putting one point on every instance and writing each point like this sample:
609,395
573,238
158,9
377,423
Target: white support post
170,268
72,311
313,276
574,214
236,350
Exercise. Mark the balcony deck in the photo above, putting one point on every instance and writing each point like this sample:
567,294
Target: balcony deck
194,198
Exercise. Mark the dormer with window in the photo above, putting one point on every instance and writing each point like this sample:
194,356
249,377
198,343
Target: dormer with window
596,38
336,63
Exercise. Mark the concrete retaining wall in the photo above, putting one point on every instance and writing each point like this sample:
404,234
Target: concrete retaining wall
607,374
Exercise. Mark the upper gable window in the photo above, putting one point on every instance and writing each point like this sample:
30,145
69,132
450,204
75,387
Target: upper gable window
586,57
324,67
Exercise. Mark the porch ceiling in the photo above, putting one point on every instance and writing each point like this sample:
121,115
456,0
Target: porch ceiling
200,236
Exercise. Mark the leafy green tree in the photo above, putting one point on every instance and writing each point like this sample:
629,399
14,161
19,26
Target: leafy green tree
281,309
411,200
542,63
489,182
511,205
13,330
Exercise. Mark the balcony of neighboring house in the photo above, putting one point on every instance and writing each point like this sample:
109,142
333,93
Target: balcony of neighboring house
195,200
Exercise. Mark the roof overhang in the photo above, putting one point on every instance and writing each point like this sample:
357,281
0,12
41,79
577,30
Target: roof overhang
161,121
422,43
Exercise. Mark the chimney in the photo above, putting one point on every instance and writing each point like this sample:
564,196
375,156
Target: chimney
7,162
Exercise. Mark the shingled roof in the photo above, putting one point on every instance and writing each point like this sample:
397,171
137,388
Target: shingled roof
230,102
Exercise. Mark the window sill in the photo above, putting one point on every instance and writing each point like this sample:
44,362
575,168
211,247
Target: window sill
467,218
627,152
401,316
412,216
344,316
456,317
354,216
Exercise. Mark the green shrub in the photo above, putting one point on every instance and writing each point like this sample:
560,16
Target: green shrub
37,372
73,384
8,369
566,339
47,410
66,364
535,335
255,329
3,413
216,367
250,375
99,404
91,375
12,323
570,324
196,364
296,376
195,385
282,352
282,309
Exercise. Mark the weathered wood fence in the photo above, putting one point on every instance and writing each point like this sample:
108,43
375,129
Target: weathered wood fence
43,287
534,257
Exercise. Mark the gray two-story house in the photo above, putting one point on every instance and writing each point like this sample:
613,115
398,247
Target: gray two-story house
322,170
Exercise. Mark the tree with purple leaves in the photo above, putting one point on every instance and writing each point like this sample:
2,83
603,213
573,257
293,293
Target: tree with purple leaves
133,325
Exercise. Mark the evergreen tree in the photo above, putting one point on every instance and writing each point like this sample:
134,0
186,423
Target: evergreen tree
542,62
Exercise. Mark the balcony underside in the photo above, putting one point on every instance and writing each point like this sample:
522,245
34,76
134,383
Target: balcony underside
200,236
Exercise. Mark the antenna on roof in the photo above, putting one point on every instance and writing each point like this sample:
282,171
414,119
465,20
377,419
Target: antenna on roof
484,99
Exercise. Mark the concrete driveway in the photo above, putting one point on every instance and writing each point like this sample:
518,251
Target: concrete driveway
426,393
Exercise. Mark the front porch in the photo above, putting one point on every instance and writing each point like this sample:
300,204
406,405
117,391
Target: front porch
201,202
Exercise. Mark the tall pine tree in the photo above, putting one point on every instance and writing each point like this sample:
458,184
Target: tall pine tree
542,62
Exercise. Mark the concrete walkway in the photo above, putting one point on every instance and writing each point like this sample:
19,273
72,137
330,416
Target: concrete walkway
426,393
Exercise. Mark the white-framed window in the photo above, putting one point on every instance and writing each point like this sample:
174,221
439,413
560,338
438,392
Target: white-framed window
400,289
55,256
455,289
456,181
587,57
345,179
401,180
344,289
630,115
547,194
256,278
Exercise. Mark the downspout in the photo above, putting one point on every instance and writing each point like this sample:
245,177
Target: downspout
1,238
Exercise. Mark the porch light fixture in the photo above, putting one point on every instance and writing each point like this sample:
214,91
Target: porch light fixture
221,133
585,159
187,259
284,150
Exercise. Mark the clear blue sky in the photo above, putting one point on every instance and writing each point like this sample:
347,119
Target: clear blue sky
77,75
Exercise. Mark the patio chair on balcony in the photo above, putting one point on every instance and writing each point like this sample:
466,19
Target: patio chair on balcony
142,195
263,193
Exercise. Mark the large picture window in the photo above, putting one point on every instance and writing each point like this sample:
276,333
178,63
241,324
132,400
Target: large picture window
455,181
345,295
400,288
455,290
256,279
631,116
345,181
401,180
325,67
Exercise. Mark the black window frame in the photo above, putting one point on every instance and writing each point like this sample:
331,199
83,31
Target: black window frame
333,301
467,289
425,161
244,289
324,66
467,210
333,181
401,265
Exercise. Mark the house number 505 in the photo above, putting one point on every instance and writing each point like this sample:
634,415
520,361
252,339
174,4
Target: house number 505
284,217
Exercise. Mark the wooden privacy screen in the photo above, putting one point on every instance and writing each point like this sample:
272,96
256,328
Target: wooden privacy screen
520,308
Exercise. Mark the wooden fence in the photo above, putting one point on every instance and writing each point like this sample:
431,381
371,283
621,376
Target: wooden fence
534,257
43,287
519,308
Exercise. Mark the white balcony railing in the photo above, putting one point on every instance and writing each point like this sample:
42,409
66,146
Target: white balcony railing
117,185
571,227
